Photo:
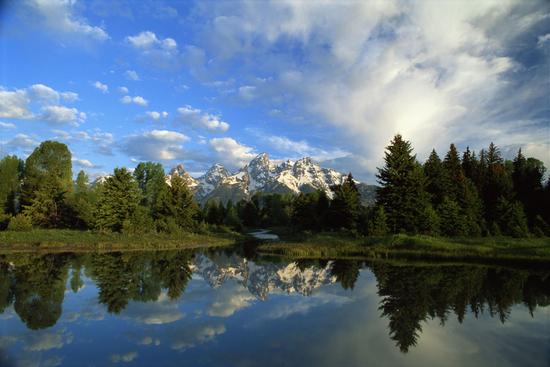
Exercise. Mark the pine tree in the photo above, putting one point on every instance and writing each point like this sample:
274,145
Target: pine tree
469,164
379,225
455,175
402,191
497,183
511,218
436,178
527,177
345,206
120,197
452,221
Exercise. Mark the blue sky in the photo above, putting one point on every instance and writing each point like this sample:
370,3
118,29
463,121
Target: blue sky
205,82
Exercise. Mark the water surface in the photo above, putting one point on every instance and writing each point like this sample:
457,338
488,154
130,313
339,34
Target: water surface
227,309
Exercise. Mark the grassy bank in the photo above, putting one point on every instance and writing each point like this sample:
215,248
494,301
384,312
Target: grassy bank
73,240
335,244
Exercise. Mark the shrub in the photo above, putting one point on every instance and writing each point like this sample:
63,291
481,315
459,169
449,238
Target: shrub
20,223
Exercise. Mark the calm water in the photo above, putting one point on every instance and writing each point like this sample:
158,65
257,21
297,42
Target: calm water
227,309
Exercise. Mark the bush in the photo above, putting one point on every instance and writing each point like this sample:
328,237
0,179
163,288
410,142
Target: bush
20,223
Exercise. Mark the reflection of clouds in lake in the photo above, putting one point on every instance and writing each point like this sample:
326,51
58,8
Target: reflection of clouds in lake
46,340
193,335
163,311
147,340
228,299
126,357
36,360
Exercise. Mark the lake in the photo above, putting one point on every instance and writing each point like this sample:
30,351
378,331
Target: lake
233,308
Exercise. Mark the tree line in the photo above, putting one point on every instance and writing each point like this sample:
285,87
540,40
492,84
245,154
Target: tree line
460,195
40,192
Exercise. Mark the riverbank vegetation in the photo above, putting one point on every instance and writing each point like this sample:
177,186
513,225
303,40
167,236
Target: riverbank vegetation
471,205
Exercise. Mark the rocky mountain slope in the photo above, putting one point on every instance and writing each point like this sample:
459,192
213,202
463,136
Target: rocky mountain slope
263,175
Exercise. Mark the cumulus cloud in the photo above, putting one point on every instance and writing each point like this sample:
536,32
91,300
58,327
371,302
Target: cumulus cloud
155,145
435,71
84,163
154,115
140,101
61,115
131,75
17,104
14,104
104,88
22,141
59,16
200,119
230,152
160,52
123,90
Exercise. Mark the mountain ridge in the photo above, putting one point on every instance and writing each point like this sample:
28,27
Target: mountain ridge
265,176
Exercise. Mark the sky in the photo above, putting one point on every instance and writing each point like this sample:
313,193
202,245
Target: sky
207,82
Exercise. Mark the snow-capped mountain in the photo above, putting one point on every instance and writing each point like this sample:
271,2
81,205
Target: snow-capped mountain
263,175
261,280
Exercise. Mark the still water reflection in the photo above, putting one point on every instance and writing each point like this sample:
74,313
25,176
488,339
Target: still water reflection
227,309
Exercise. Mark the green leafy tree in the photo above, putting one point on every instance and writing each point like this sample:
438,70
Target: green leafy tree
83,202
11,172
47,180
118,201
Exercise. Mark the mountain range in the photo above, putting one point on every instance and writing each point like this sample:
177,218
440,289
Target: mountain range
265,176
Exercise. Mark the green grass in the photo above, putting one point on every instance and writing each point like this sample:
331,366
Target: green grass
73,240
338,245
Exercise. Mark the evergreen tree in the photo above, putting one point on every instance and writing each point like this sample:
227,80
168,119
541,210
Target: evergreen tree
379,225
452,221
436,178
469,164
497,183
83,202
527,177
454,174
232,219
402,191
511,218
120,196
345,206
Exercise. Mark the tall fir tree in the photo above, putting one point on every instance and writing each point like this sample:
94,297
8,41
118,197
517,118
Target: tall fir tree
345,206
402,192
436,179
120,197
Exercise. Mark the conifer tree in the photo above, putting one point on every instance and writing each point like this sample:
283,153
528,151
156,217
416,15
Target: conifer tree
402,191
497,183
11,172
345,206
527,177
436,178
120,197
379,225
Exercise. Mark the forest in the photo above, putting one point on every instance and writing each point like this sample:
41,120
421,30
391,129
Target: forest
464,194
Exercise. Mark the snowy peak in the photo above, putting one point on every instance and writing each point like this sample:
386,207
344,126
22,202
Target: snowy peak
263,175
180,171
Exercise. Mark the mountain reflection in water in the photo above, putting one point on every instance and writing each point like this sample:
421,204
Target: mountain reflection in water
61,307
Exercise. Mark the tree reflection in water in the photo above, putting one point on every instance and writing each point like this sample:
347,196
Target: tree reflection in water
409,294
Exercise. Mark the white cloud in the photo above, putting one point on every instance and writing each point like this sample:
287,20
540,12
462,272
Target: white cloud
14,104
123,90
61,115
59,16
162,53
43,92
155,145
22,141
84,163
435,71
69,96
104,88
231,153
154,115
131,75
189,337
200,119
140,101
300,148
541,40
7,125
247,92
148,40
